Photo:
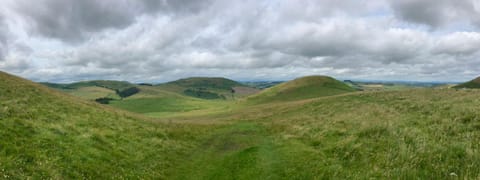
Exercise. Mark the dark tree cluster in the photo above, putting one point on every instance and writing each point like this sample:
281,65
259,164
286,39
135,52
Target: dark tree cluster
128,92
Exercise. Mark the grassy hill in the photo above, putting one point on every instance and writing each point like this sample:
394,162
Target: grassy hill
165,100
109,84
421,133
206,82
473,84
92,90
302,88
209,88
408,134
46,134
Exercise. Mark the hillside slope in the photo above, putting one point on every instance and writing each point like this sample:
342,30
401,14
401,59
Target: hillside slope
209,88
301,88
409,134
109,84
473,84
46,134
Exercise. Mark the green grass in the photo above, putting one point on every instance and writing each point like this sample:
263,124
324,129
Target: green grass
92,93
408,134
206,82
208,88
405,134
114,85
473,84
46,134
302,88
171,106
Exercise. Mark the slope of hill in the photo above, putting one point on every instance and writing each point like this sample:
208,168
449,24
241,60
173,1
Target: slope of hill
301,88
409,134
209,88
473,84
99,89
46,134
206,82
109,84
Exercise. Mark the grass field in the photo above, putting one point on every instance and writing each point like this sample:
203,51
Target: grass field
406,134
46,134
402,134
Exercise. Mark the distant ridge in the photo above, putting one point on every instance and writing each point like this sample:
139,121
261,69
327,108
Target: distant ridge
209,87
109,84
207,82
473,84
302,88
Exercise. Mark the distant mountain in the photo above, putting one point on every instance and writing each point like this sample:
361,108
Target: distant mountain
302,88
473,84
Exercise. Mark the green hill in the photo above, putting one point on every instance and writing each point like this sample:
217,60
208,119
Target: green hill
206,82
209,88
302,88
404,134
473,84
109,84
408,134
46,134
97,89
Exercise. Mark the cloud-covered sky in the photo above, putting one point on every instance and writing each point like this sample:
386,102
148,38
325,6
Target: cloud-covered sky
162,40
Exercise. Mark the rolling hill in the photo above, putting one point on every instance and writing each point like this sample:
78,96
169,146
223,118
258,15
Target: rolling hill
93,90
403,134
47,134
109,84
301,88
209,88
408,134
473,84
169,99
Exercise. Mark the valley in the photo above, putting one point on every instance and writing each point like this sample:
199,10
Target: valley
313,127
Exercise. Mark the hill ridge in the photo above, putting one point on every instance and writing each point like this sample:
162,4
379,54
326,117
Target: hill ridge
302,88
473,84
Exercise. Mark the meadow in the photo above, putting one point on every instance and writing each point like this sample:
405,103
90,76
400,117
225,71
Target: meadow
421,133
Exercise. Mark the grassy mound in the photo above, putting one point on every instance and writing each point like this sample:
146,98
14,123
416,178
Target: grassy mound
302,88
473,84
46,134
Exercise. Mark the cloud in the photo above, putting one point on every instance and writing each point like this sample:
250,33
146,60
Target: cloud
74,21
3,38
436,13
161,40
459,43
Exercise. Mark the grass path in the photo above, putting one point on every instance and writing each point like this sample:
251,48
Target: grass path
411,134
240,151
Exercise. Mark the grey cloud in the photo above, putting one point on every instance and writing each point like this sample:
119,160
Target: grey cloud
3,38
75,21
436,13
460,43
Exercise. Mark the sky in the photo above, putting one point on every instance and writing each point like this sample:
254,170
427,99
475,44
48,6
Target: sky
246,40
